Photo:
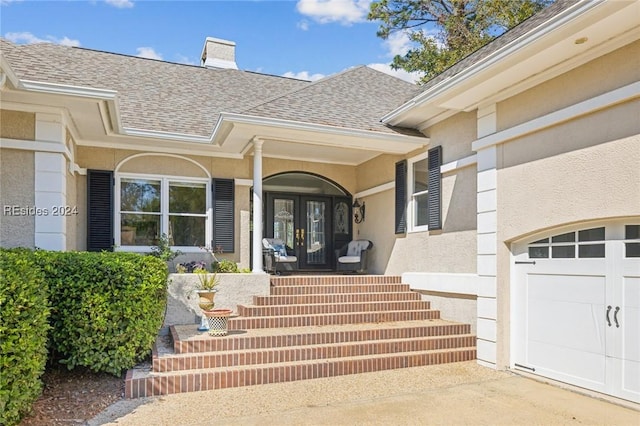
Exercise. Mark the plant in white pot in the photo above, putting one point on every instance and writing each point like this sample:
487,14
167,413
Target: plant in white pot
206,291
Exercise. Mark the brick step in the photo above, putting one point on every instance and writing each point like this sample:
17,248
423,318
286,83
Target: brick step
333,298
331,308
335,279
187,340
306,353
338,289
142,382
244,323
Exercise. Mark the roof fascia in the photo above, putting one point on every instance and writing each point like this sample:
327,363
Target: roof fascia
526,40
234,118
7,73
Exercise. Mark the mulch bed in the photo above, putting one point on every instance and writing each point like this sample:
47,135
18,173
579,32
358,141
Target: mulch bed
73,397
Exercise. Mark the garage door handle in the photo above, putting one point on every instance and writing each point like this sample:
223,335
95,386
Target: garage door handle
615,316
608,319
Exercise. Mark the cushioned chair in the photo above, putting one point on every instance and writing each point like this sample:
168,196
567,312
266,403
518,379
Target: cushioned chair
277,259
354,257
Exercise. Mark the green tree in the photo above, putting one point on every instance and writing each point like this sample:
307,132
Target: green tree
445,31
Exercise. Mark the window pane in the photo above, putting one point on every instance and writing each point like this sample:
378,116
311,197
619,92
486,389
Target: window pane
187,231
564,238
632,249
543,241
538,252
591,250
187,197
421,211
139,195
595,234
631,232
420,176
563,252
139,229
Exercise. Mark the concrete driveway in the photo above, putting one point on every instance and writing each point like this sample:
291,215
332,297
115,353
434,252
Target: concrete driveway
452,394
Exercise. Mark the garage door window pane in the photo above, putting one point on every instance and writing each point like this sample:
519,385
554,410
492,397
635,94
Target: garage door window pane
564,238
632,249
538,252
591,250
631,232
595,234
563,252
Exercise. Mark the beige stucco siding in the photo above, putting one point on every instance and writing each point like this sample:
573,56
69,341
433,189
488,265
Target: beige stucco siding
453,249
565,175
17,125
17,182
599,76
342,175
71,221
377,171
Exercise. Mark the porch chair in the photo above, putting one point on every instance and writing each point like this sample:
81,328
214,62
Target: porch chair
276,258
354,257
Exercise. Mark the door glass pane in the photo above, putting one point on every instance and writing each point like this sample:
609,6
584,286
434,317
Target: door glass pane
341,218
316,238
539,252
591,250
564,238
283,221
631,232
563,252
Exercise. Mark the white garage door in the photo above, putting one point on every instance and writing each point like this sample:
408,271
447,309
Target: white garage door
576,310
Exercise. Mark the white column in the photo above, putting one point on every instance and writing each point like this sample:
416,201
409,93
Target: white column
487,217
50,186
257,207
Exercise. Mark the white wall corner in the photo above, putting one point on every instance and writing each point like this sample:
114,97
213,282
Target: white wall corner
487,120
50,128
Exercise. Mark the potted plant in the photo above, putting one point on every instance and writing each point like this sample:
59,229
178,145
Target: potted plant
206,290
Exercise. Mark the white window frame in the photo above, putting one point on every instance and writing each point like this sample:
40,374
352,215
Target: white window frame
411,204
164,209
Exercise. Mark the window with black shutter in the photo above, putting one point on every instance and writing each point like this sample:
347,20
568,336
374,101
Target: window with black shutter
434,196
223,214
401,197
99,210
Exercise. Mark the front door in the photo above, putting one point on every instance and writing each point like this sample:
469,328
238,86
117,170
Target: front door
303,222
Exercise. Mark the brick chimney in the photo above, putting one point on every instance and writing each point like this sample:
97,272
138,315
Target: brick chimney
218,53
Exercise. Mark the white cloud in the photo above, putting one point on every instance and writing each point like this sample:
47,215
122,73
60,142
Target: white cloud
8,2
148,52
397,43
345,12
303,75
120,4
401,74
303,25
29,38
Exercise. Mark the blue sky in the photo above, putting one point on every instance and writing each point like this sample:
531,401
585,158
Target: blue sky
305,39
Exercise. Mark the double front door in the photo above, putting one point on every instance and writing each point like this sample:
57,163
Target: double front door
305,223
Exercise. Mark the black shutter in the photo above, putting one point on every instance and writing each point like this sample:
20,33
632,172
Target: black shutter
99,210
434,198
401,197
223,214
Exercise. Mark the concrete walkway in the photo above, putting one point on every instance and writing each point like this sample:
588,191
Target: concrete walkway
461,393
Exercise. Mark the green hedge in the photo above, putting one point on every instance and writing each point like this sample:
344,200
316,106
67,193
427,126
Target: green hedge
107,308
24,312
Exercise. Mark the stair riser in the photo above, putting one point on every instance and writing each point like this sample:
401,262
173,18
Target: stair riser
199,361
193,382
333,319
335,279
334,298
241,343
268,311
338,289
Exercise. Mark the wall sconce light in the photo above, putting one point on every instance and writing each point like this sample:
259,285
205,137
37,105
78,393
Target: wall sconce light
358,211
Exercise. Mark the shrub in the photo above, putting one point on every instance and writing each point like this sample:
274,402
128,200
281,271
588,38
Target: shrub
226,266
107,308
24,312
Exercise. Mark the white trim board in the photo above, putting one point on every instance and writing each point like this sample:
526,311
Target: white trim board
442,282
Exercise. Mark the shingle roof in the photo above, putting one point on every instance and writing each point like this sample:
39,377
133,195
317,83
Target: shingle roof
164,96
356,98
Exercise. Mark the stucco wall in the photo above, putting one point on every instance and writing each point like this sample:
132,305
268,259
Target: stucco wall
378,228
17,125
17,182
599,76
72,220
342,175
